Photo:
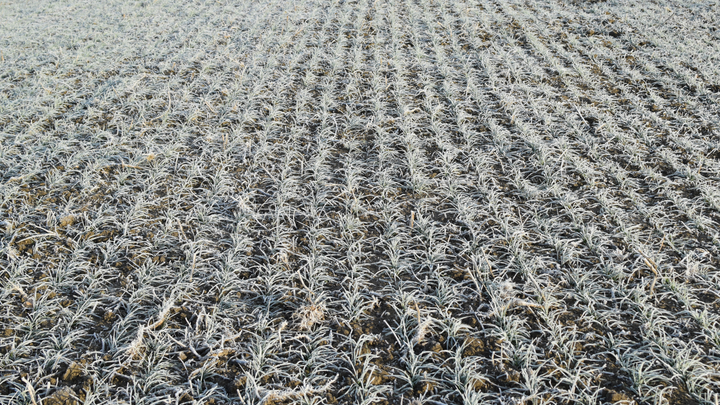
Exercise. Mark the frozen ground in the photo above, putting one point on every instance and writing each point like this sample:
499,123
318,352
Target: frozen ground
357,202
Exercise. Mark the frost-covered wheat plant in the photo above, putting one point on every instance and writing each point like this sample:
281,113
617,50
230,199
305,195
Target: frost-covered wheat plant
360,202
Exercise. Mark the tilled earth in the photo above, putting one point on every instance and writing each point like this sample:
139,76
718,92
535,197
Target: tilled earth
357,202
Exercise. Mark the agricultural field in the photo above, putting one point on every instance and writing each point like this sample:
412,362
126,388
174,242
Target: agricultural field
360,202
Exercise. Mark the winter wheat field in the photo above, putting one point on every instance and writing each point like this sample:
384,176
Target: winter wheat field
360,202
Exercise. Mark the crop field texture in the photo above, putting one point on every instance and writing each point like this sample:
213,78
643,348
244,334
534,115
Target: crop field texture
360,202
